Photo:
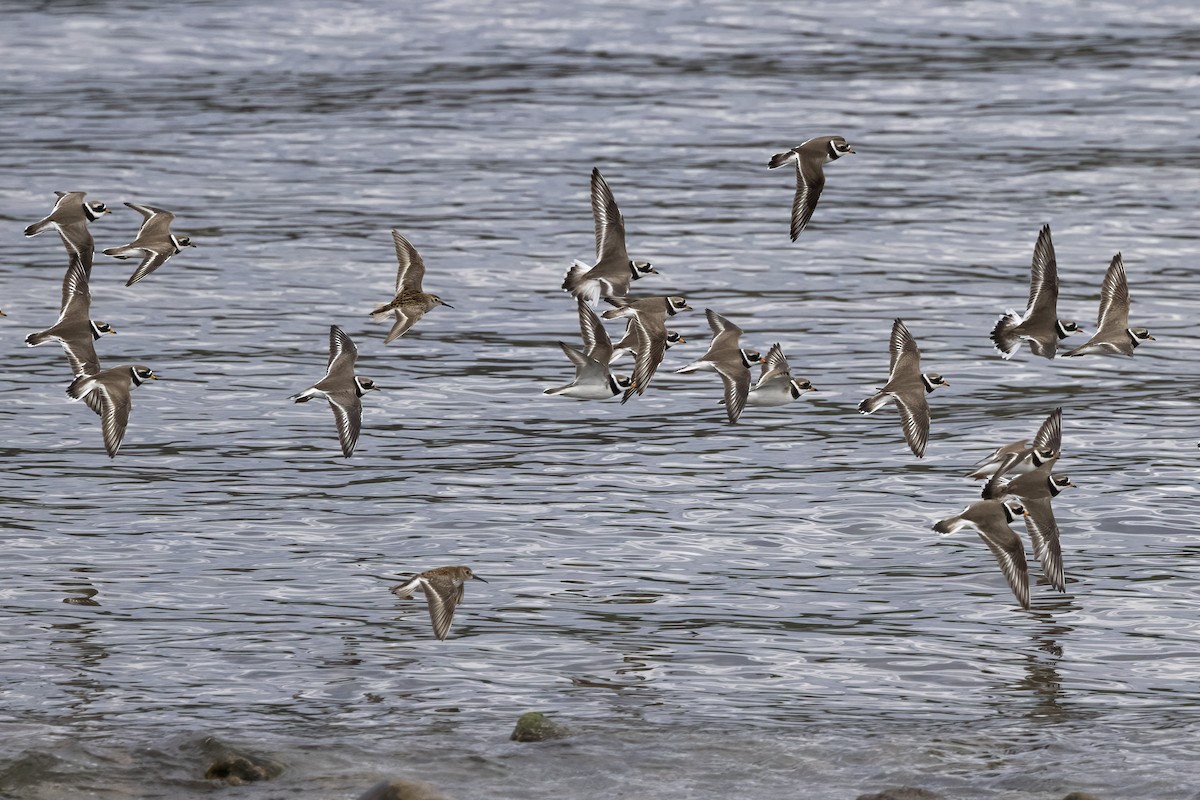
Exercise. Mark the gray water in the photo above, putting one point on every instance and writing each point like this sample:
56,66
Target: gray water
758,610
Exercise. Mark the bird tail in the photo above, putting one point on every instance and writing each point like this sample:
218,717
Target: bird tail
382,313
580,289
1007,343
34,339
621,310
948,525
874,403
779,159
37,227
995,489
406,589
305,396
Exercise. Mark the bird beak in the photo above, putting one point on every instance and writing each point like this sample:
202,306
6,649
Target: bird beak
153,377
850,151
447,305
476,577
1151,338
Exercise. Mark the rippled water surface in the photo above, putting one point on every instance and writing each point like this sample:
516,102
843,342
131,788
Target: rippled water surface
754,610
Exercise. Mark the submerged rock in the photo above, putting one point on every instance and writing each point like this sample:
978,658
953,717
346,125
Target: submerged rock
1081,796
401,789
234,766
533,726
902,793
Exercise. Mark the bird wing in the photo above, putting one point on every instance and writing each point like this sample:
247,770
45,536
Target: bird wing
726,335
148,265
1114,300
1043,532
596,343
114,415
810,180
775,365
156,223
905,356
95,398
651,347
737,386
1049,435
1043,279
610,225
342,354
997,486
998,454
404,321
443,598
577,358
347,413
914,418
1043,349
77,239
84,361
1010,555
76,296
411,270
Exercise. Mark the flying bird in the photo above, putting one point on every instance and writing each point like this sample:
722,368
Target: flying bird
593,379
443,589
730,360
613,271
75,330
154,243
411,301
906,387
1039,325
70,217
1113,335
991,519
649,317
342,388
810,159
108,393
1046,448
776,386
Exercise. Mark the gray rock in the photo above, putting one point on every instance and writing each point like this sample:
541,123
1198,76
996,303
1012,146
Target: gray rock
535,727
400,789
235,766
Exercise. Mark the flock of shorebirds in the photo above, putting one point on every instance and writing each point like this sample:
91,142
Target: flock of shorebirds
1020,477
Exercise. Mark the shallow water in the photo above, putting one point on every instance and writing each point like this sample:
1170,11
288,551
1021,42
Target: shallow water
720,610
